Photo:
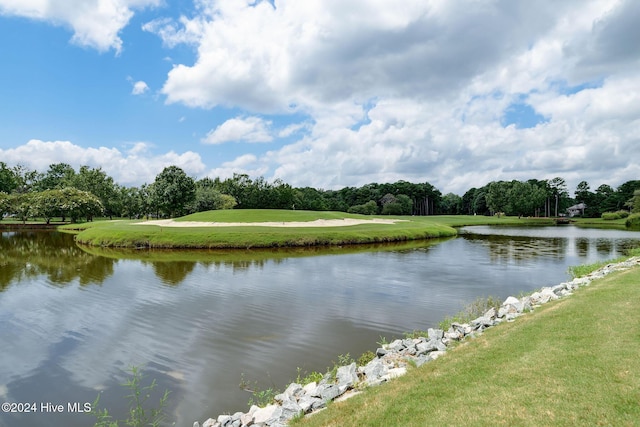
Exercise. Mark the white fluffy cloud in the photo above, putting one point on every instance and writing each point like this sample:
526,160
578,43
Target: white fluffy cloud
95,23
139,88
423,92
134,166
249,129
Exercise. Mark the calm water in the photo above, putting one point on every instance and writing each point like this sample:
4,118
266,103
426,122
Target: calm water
73,322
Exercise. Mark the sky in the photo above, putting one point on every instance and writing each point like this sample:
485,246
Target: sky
325,93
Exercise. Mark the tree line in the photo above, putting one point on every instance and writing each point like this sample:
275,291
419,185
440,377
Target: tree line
63,192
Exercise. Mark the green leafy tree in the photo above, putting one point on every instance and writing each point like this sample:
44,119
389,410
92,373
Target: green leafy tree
625,192
310,199
635,202
5,204
98,183
451,204
524,198
26,179
497,196
78,204
47,204
20,205
173,191
8,181
582,193
396,205
560,195
58,176
208,198
605,199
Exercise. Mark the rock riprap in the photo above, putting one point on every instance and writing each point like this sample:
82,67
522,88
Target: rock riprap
392,359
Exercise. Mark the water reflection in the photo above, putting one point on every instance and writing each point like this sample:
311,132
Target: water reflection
519,249
198,320
25,255
523,243
173,273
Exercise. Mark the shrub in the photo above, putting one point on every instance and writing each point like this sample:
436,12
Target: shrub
614,215
610,216
633,221
369,208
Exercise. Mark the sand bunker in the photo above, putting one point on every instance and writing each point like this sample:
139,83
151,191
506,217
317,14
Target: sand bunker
317,223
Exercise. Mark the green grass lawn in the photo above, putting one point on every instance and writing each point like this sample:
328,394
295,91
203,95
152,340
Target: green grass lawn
572,362
125,234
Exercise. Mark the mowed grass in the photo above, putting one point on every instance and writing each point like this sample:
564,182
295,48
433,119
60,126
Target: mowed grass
126,234
572,362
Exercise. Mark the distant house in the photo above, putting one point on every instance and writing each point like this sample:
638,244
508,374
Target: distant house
576,209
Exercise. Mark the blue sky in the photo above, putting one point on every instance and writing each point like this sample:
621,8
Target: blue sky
324,93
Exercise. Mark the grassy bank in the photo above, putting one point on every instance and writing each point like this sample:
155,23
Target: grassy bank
570,362
127,234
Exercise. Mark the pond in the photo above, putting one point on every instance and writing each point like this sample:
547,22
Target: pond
73,321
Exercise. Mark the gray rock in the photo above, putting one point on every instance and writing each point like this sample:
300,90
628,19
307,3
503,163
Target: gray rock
347,376
408,342
381,352
290,409
224,419
511,301
309,388
510,317
308,403
396,345
397,372
196,424
463,328
209,423
481,323
490,314
453,335
246,420
548,295
267,415
435,334
374,370
294,389
318,404
328,392
426,347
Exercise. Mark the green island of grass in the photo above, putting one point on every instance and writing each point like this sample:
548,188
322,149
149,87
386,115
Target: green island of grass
204,230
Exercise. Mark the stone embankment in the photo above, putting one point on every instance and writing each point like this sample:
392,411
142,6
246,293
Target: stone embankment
392,359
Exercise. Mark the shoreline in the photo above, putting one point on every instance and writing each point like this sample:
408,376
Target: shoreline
392,360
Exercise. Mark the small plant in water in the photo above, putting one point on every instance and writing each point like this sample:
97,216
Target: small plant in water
259,397
307,378
366,357
139,415
263,397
